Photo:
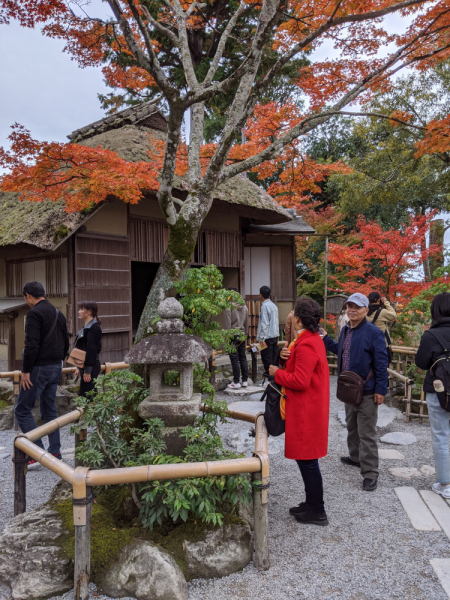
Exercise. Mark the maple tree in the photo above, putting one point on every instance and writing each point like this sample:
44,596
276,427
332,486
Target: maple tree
386,261
198,58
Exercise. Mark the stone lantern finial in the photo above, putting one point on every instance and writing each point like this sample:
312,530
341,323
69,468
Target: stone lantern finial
171,313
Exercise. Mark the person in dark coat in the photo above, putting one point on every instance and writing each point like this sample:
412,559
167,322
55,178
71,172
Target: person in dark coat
428,352
89,339
306,383
46,345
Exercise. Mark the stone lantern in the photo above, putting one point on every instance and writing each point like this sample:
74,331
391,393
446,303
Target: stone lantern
170,350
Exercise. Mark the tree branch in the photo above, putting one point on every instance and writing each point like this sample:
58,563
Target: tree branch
185,52
157,25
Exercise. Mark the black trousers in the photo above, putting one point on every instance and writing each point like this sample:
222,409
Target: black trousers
269,355
238,361
88,387
312,478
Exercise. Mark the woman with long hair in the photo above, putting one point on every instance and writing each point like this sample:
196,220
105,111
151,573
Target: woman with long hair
306,383
431,347
89,339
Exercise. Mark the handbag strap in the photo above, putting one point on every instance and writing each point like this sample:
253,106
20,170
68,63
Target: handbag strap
51,330
440,339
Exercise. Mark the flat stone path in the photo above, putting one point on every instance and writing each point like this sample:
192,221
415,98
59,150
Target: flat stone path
244,391
416,509
441,567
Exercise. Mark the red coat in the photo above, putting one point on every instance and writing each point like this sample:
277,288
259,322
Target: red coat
307,382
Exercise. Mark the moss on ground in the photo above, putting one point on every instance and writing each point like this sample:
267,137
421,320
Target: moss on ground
4,404
110,532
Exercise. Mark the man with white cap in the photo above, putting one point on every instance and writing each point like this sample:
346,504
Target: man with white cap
361,349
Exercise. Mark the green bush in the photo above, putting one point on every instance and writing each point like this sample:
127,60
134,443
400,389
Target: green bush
116,441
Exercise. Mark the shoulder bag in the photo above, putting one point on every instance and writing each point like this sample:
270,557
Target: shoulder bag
272,416
77,358
350,386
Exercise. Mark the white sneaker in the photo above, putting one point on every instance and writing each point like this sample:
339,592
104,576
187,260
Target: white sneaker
244,384
443,491
234,386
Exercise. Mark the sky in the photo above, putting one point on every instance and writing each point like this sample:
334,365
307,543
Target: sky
47,92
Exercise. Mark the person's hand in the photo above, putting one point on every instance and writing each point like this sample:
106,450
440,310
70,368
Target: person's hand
384,300
25,382
77,373
285,353
87,377
323,333
286,344
378,399
272,370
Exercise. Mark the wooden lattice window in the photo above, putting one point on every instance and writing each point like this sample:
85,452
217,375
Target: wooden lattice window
51,271
56,275
4,329
14,278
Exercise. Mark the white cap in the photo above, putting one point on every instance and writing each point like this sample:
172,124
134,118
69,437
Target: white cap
359,300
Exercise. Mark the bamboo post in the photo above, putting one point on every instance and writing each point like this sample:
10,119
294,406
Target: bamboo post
82,508
16,389
20,489
261,525
108,368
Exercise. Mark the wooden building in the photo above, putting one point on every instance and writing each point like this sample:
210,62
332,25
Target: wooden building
112,253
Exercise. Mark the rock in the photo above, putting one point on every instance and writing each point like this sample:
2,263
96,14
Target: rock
254,407
4,456
65,400
6,391
386,415
398,437
220,553
255,397
31,561
144,571
170,308
6,418
62,491
242,443
341,417
404,472
245,391
427,470
388,454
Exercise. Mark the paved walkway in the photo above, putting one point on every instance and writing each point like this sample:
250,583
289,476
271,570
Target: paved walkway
375,548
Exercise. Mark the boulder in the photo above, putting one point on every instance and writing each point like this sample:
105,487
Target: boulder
144,571
6,391
220,553
32,562
6,418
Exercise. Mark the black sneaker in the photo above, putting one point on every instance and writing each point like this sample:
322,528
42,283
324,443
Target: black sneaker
348,461
295,510
310,518
58,456
369,485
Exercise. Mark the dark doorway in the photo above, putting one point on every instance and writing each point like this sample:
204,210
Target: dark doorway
142,276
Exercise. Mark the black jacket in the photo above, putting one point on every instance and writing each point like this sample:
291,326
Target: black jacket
89,339
39,351
430,349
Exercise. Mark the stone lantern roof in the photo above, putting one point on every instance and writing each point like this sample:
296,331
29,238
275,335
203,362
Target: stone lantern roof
171,345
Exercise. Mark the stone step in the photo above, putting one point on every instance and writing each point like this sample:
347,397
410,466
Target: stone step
439,508
416,509
244,391
441,567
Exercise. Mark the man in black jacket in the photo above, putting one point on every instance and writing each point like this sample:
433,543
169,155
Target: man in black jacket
46,345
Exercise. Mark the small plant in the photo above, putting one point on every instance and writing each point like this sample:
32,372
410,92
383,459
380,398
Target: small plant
117,441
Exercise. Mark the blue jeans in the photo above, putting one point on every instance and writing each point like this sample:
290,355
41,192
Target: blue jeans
45,383
312,478
440,433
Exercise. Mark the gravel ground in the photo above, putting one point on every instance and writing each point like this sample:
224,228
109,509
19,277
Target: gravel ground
369,551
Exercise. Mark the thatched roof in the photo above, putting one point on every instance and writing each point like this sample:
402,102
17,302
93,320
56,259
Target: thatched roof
129,134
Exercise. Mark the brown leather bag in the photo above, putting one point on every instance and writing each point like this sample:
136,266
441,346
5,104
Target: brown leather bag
350,387
77,357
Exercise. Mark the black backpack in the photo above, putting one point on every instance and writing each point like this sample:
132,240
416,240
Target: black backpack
272,416
440,371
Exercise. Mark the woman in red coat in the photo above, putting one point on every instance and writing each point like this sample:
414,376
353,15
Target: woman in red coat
306,380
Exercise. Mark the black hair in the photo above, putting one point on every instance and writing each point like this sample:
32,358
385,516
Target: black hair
309,312
373,297
440,307
265,291
232,289
34,288
91,306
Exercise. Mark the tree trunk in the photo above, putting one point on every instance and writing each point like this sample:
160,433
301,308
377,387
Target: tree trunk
437,230
182,240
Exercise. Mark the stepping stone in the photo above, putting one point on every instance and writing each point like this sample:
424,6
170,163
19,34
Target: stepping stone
255,397
404,472
251,389
4,456
441,567
399,438
2,448
439,508
388,454
416,509
427,470
68,451
341,417
386,414
250,407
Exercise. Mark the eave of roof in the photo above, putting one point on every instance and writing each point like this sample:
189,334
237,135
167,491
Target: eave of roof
295,227
8,305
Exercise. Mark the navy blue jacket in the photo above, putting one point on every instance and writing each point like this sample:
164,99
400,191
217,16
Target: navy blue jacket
367,351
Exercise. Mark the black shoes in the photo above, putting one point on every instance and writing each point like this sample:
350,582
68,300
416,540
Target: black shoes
309,518
295,510
348,461
369,485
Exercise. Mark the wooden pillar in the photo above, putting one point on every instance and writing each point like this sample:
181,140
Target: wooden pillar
261,522
82,508
16,389
20,490
254,366
12,341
